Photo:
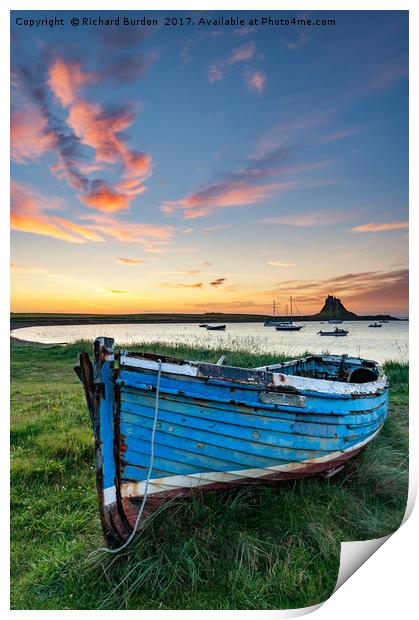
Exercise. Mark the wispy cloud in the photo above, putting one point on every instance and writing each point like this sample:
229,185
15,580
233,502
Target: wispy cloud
218,282
380,227
300,42
253,182
211,229
278,263
323,217
182,285
131,262
152,237
227,193
30,136
66,78
256,81
14,268
367,289
87,125
31,212
217,70
340,135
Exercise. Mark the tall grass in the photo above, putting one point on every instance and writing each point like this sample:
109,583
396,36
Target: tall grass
256,548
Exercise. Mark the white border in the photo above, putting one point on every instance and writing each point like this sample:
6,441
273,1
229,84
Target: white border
386,585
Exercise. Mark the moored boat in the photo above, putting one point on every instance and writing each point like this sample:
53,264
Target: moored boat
336,332
219,328
375,325
165,428
288,327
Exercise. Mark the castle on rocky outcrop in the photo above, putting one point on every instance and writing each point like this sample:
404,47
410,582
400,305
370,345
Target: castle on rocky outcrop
333,308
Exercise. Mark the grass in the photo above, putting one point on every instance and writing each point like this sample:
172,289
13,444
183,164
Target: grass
265,548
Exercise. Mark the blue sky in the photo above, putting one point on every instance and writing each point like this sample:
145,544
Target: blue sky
189,168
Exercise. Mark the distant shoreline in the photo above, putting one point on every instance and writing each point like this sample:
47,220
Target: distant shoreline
18,321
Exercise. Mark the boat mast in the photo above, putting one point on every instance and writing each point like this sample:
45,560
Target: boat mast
291,307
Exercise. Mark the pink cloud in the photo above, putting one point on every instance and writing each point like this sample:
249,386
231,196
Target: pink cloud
380,227
224,194
245,52
340,135
30,137
29,213
152,237
256,81
312,218
240,54
100,130
65,80
131,262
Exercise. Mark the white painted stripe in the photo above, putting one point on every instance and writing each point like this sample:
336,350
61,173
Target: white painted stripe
170,483
175,369
109,495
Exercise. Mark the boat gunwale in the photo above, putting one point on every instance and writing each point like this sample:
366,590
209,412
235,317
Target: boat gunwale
263,376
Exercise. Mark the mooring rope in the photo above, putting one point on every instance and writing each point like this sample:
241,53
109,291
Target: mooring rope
150,469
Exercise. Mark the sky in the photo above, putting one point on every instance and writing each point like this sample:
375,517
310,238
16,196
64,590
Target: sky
191,168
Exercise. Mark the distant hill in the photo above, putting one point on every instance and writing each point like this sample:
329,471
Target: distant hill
333,308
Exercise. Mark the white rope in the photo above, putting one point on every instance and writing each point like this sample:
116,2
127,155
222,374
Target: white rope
150,469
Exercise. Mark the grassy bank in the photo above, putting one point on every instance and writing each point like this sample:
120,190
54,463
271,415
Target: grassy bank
265,548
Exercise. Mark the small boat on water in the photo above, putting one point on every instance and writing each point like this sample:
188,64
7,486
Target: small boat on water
375,325
335,320
218,328
287,325
272,321
165,428
336,332
203,324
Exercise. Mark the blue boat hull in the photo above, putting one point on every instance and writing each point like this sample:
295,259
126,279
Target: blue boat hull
219,427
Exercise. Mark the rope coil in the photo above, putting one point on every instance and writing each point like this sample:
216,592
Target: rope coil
150,469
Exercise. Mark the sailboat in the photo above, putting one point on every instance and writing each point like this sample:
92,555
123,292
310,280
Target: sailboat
274,320
337,320
288,326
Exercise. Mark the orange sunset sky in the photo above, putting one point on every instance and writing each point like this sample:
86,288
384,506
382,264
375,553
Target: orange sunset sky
211,169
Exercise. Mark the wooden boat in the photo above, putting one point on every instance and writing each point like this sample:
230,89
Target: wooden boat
219,328
336,332
165,428
375,325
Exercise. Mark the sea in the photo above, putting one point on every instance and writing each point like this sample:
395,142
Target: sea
389,342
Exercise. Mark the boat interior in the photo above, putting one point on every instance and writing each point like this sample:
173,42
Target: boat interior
340,368
329,367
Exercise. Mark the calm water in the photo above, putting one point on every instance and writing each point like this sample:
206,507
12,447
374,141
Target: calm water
390,342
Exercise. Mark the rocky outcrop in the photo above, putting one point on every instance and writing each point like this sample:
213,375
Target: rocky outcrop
333,308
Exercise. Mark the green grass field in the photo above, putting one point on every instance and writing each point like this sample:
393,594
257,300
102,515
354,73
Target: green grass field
260,548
